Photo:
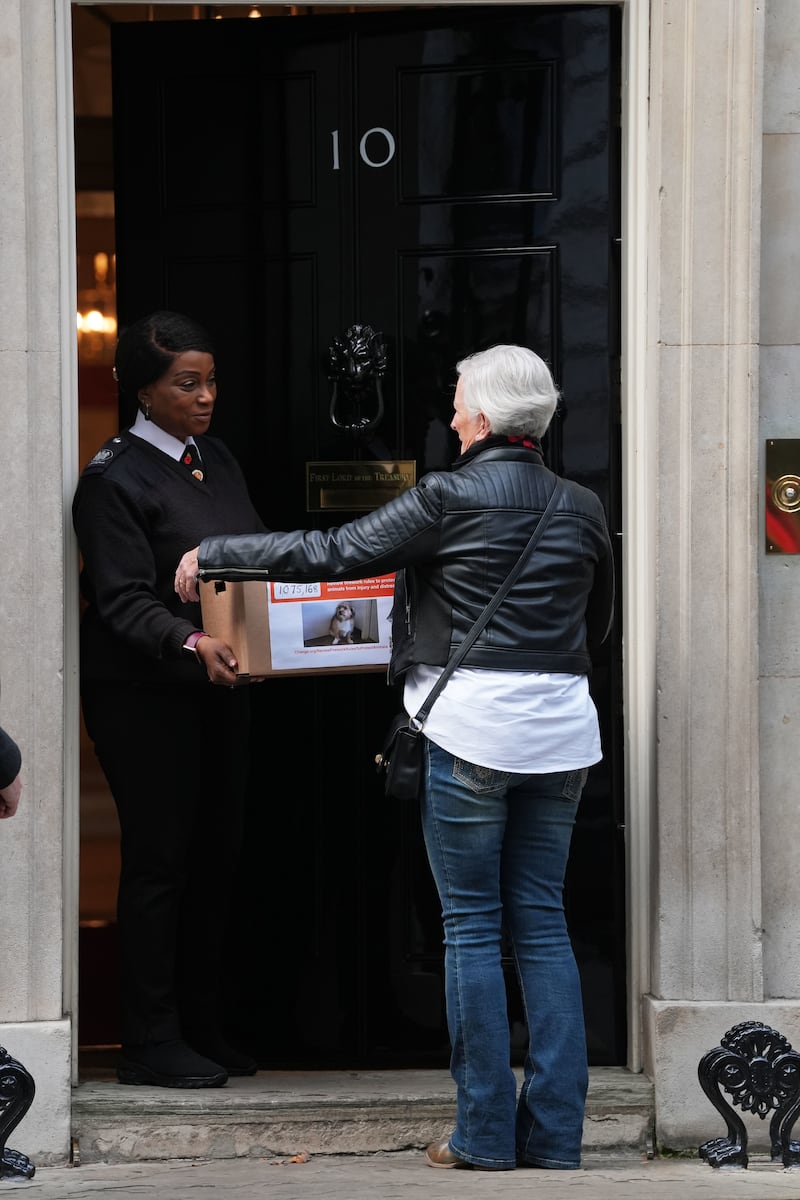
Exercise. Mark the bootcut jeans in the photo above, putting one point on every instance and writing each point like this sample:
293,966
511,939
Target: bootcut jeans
498,845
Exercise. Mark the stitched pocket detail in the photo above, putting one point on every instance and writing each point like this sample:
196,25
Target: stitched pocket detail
574,783
481,780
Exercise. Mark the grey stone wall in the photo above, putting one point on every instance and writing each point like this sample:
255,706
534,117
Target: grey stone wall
779,575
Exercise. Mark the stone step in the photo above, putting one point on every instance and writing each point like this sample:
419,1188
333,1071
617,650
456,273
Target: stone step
279,1114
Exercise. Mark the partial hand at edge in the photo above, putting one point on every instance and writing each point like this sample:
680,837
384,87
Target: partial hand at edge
9,798
186,576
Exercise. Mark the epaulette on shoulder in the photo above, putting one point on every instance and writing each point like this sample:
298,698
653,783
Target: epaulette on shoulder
107,453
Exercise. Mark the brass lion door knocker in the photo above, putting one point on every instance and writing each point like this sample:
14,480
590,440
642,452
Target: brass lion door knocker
356,366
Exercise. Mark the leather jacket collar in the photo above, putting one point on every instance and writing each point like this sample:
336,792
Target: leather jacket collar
497,441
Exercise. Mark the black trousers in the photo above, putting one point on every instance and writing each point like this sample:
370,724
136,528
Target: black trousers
176,760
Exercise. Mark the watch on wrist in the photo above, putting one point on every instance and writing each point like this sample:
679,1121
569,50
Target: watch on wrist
191,642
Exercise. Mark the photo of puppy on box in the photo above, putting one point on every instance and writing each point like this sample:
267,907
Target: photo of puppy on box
347,623
343,624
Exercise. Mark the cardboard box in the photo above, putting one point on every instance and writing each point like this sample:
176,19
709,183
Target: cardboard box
287,628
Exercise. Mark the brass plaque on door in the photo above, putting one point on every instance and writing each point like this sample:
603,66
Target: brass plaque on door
782,510
356,485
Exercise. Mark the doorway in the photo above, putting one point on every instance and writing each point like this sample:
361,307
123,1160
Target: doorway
450,177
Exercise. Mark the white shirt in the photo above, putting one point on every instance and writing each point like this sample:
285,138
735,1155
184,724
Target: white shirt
520,721
148,431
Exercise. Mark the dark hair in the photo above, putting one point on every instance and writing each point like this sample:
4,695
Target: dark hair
146,349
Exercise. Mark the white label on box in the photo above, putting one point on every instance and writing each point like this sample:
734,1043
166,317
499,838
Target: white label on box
330,625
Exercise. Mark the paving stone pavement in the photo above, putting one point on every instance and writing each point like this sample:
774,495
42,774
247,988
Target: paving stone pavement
402,1176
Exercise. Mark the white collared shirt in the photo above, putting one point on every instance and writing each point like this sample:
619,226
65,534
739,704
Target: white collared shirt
148,431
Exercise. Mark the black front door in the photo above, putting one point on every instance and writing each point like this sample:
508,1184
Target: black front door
448,177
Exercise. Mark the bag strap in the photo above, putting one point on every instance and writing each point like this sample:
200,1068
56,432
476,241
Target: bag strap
417,722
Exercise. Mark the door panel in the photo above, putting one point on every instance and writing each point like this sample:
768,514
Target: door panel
449,177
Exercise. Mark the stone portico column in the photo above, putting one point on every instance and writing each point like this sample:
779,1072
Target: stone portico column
35,356
703,293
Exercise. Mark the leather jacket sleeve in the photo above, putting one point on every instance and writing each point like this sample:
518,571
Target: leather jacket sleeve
402,531
600,604
451,540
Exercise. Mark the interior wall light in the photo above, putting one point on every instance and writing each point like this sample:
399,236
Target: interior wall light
96,316
255,11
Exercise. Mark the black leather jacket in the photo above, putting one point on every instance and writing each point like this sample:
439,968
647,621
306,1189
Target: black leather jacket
452,539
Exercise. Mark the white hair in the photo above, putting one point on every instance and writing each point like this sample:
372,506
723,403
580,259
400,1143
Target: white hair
512,387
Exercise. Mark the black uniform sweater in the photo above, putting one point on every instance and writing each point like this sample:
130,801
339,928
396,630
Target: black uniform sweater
136,512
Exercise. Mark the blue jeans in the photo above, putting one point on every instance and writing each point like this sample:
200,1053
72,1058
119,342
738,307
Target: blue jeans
498,845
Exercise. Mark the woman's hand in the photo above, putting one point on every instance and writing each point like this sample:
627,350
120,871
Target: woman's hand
219,661
186,576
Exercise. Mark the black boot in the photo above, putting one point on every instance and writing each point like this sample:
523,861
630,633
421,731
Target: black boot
216,1047
169,1064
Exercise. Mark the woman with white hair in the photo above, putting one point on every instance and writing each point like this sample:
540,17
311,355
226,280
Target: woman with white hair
508,741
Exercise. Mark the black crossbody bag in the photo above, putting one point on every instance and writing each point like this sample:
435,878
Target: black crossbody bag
401,758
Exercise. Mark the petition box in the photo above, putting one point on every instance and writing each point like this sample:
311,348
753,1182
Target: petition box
302,628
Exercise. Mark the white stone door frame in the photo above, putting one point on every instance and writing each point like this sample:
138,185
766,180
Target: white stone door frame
639,423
